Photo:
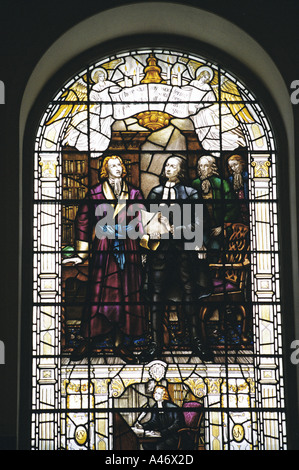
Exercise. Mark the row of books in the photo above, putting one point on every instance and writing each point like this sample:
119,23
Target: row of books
68,235
68,213
75,182
73,193
74,166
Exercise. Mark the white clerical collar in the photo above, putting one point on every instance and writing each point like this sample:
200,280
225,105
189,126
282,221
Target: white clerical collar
169,191
170,184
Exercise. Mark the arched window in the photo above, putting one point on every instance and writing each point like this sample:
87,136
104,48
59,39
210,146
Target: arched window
156,270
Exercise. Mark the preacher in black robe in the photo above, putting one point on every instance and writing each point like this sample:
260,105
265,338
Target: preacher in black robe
172,260
166,418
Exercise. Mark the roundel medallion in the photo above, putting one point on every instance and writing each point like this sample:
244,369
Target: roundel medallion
80,435
238,432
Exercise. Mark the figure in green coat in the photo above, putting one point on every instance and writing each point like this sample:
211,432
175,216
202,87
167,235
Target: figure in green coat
219,198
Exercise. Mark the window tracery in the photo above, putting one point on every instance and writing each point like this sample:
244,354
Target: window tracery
146,108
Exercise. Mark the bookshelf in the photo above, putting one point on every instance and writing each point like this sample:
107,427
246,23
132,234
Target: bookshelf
75,179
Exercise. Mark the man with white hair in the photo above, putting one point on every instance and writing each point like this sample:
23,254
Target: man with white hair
219,197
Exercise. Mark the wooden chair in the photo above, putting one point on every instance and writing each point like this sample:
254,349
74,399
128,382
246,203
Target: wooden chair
229,277
189,434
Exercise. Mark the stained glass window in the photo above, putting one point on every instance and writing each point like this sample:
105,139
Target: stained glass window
156,315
